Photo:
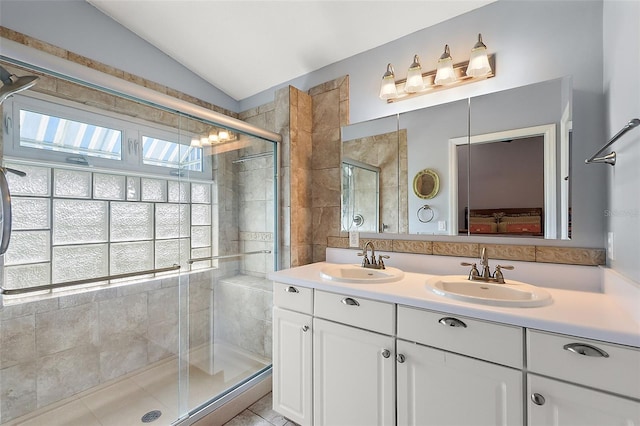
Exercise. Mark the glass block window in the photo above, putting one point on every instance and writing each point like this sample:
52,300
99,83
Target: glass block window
71,224
53,133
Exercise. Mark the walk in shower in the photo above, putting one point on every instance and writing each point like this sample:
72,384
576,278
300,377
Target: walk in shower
134,285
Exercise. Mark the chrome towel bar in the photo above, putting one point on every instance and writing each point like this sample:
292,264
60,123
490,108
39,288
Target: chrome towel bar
611,157
10,292
226,256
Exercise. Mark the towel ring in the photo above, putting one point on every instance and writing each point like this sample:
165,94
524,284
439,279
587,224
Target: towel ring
425,214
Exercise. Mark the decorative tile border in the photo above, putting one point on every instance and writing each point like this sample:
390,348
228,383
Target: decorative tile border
523,253
573,256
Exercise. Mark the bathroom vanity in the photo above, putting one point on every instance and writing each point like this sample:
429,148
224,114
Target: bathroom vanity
396,352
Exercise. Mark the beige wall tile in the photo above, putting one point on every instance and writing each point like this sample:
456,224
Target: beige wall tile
338,242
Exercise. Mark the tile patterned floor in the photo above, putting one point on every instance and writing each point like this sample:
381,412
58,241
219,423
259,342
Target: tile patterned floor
260,414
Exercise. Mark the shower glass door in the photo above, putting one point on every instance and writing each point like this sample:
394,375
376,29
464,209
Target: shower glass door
227,340
133,289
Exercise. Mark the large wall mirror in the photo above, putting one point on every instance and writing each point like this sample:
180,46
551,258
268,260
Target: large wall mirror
502,161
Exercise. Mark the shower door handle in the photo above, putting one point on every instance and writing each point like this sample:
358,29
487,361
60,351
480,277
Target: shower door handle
5,197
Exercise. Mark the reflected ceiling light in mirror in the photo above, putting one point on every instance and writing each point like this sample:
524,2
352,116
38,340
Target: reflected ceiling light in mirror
213,136
195,142
479,61
388,88
445,74
223,135
480,66
415,82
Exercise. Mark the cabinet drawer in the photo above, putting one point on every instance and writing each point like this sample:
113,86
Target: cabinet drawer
502,344
293,297
356,311
587,362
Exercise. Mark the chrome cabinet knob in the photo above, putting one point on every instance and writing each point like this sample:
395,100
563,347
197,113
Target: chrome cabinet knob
350,302
305,328
291,289
452,322
538,399
386,353
586,350
400,358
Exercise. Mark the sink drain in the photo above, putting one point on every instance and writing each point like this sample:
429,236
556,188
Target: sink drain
151,416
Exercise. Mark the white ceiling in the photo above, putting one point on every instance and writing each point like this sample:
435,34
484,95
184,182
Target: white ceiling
246,46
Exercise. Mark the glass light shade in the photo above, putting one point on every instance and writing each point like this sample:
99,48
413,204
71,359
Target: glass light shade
388,86
223,135
195,142
204,140
414,82
213,137
478,62
445,74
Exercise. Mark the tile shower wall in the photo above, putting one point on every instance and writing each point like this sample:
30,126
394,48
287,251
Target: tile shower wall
55,348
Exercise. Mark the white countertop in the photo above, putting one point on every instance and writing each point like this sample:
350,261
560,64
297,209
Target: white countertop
586,314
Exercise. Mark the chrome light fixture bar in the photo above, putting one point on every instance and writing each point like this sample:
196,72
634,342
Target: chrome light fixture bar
480,66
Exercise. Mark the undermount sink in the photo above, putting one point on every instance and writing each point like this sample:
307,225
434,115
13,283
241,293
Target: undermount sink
356,274
510,294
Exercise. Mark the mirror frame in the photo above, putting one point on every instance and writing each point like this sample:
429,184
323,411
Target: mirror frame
417,183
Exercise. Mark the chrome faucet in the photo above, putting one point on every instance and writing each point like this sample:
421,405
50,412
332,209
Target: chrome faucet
373,263
486,276
484,262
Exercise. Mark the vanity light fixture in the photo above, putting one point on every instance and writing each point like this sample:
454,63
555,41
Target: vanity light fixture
480,66
388,88
195,142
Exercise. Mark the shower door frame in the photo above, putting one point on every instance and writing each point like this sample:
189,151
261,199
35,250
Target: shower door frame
25,56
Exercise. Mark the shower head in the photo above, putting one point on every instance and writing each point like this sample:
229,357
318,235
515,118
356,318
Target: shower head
12,84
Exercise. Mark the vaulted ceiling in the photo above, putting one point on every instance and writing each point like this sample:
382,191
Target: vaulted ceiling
245,47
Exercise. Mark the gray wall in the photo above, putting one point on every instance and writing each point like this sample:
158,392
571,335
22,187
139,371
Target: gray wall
79,27
622,94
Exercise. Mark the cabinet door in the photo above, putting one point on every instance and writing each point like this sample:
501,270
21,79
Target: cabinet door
353,378
559,403
292,364
440,388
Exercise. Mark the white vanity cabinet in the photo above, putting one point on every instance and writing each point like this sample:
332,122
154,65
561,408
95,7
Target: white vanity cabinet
603,388
353,361
438,387
292,352
340,359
